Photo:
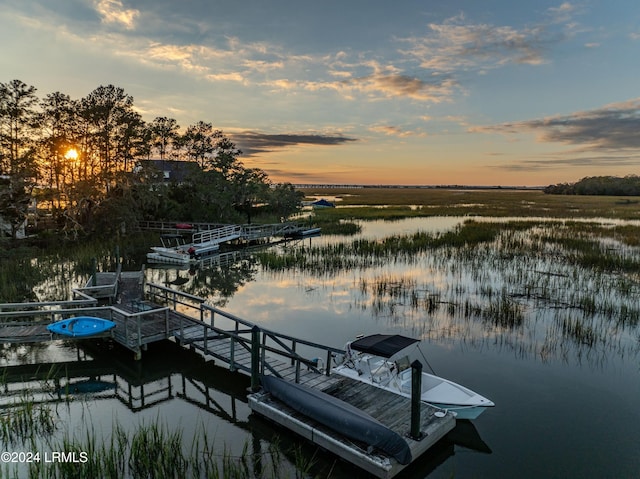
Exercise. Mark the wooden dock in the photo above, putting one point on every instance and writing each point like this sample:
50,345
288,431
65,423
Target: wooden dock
148,313
227,232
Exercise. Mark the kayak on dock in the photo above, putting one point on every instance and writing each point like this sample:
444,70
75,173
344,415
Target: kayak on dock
81,326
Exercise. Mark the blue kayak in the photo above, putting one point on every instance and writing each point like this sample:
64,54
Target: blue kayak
81,326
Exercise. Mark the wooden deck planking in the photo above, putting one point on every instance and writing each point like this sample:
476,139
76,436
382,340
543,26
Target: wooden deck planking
24,333
390,409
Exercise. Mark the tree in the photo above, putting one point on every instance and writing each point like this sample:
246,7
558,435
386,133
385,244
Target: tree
225,156
284,200
250,186
199,143
132,140
110,116
59,129
599,185
83,153
17,150
164,132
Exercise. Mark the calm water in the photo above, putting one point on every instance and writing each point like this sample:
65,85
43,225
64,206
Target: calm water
567,398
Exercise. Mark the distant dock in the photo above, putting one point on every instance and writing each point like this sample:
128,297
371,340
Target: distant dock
230,232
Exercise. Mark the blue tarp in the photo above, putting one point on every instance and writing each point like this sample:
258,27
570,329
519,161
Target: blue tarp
324,203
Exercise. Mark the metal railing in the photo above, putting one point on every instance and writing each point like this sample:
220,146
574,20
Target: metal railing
217,235
190,312
243,335
17,309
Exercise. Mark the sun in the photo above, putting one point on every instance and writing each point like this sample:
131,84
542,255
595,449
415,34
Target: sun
71,154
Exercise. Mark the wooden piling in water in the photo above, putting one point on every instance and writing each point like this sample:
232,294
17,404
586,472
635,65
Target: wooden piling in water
255,358
416,389
94,272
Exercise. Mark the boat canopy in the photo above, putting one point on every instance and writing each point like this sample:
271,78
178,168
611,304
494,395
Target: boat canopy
324,203
384,345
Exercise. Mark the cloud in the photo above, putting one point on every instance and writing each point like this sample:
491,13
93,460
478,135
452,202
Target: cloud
456,44
393,86
252,143
563,13
612,127
113,11
391,130
582,162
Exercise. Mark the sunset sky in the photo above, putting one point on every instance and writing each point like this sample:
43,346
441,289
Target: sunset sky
492,92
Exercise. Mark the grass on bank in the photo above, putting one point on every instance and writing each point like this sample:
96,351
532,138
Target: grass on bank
408,202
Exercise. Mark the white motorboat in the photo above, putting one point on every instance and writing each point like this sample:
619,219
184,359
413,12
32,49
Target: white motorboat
174,250
384,361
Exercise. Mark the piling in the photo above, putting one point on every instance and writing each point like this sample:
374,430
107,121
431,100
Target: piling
255,358
94,272
416,389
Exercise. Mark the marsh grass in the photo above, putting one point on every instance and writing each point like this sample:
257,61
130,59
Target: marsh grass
24,420
156,451
541,287
490,202
360,253
335,226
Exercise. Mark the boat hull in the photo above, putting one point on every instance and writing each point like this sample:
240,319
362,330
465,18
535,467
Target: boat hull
383,361
81,327
469,405
462,412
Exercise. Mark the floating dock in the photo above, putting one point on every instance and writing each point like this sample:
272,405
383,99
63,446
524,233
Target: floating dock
390,409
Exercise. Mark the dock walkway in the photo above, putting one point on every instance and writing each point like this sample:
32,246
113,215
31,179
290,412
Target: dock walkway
222,233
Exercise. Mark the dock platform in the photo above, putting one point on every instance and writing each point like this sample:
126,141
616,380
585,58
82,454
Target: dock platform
390,409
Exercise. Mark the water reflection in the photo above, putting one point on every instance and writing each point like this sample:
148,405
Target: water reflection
169,382
524,291
522,318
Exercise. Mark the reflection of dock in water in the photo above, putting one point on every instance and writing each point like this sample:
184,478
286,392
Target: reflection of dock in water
101,374
174,373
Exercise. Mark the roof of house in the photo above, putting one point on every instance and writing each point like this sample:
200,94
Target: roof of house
173,170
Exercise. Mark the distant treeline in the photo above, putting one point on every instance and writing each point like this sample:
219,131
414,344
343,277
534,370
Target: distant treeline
599,185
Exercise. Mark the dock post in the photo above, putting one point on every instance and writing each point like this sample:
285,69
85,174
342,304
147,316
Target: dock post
94,272
416,388
255,358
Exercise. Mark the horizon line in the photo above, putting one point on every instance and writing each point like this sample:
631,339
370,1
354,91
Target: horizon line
405,186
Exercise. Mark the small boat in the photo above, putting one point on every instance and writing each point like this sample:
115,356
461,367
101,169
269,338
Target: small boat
382,360
184,226
339,416
304,233
174,250
81,326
